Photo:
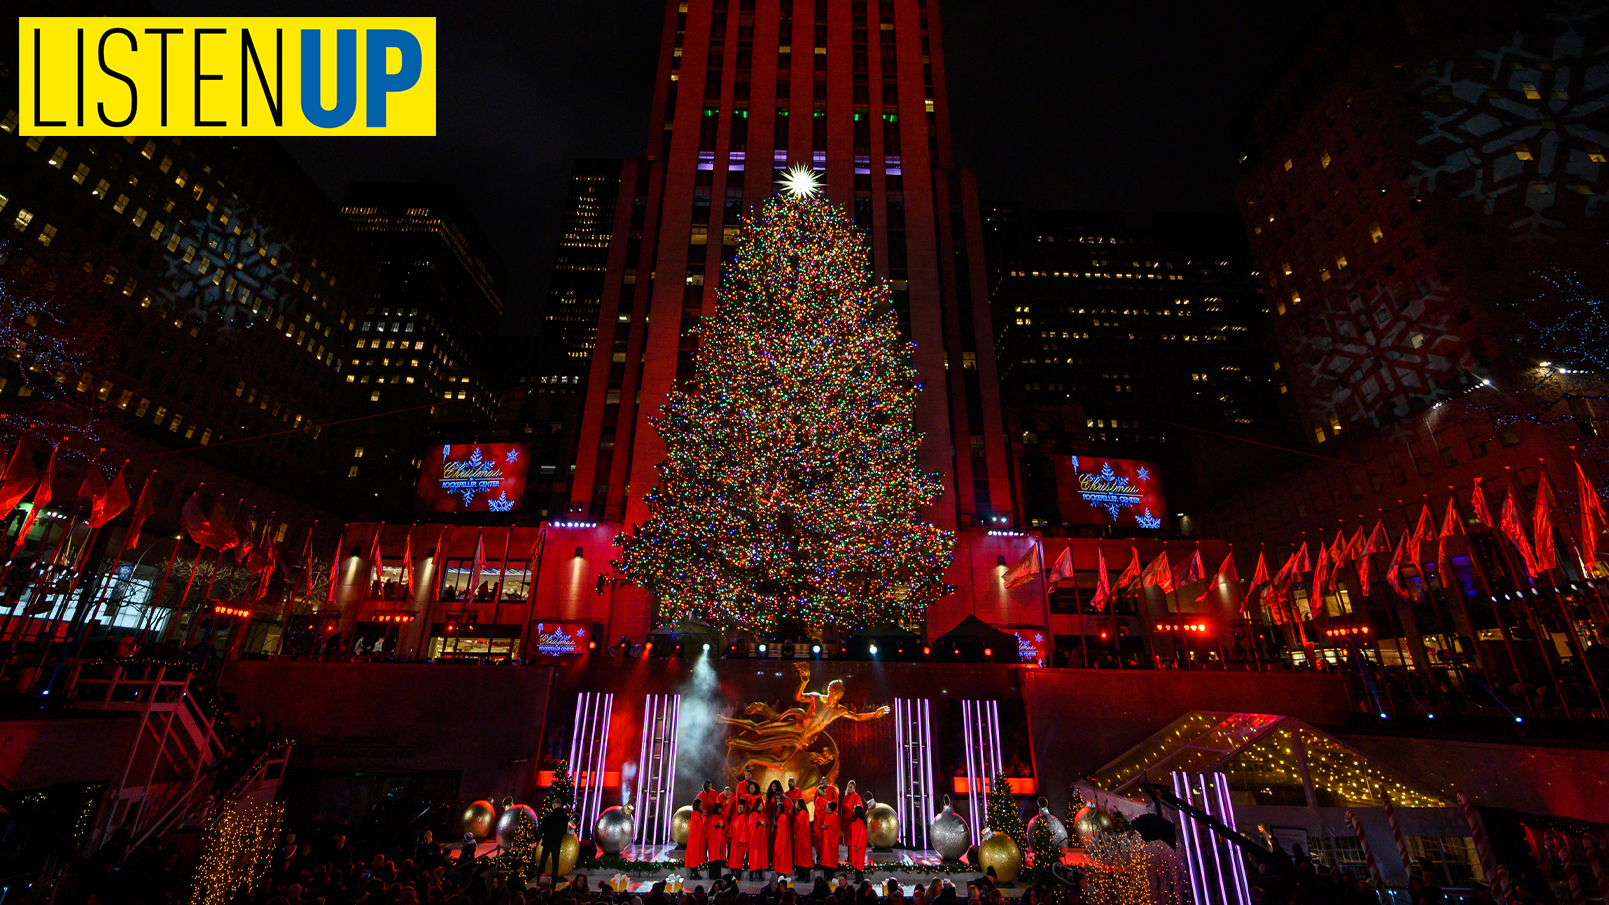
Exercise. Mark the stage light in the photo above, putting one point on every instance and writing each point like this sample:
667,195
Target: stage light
648,648
873,650
762,648
815,648
988,652
592,645
706,647
927,651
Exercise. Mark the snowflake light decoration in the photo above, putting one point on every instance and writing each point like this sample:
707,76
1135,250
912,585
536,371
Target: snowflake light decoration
501,504
1143,473
1148,520
224,264
513,456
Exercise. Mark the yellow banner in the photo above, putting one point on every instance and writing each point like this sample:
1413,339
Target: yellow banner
154,75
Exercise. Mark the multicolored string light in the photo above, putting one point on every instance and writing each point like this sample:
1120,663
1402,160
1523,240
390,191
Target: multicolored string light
790,489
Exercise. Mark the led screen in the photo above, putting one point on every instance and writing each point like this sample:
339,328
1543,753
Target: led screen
1091,490
473,477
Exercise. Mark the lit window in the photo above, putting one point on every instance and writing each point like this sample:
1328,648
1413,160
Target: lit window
1288,165
1325,160
100,189
149,150
1340,262
1531,93
1522,152
1595,154
357,453
352,472
1375,232
58,158
122,202
1416,340
374,396
46,233
24,217
1286,267
80,174
1296,297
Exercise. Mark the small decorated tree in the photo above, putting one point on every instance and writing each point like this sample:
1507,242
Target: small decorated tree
561,794
1005,815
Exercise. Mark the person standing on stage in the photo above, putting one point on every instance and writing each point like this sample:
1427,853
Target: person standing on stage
803,858
738,832
857,842
710,797
794,792
715,831
850,801
831,831
696,841
759,847
782,837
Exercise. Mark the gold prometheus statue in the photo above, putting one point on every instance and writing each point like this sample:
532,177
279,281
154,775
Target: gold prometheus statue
794,742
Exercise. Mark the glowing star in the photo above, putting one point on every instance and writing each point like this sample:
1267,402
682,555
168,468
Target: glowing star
1144,474
513,455
800,181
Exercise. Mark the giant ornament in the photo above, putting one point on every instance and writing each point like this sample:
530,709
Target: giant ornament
948,833
1058,832
614,830
1090,821
882,827
513,819
679,822
479,818
1000,852
569,852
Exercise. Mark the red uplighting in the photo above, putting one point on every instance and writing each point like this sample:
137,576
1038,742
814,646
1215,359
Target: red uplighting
988,652
648,647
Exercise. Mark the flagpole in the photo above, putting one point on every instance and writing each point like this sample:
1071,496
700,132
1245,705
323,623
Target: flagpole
1586,552
1083,629
40,584
1558,597
434,590
156,598
285,611
217,566
502,572
1530,615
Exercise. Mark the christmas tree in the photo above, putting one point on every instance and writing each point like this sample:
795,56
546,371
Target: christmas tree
790,488
561,794
1004,814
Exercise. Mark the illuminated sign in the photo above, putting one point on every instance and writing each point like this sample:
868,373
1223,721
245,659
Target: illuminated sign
1096,491
250,76
560,639
1033,646
477,477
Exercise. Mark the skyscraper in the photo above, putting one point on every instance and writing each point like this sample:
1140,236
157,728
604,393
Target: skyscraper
745,88
575,288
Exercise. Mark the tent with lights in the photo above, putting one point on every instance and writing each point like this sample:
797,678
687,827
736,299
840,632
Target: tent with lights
972,637
1295,784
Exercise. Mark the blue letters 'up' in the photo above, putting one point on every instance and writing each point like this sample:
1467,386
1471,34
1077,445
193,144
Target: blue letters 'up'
346,78
379,82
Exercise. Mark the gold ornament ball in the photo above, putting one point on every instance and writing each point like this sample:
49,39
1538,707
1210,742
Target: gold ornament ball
569,851
1089,821
479,818
882,827
1001,853
678,824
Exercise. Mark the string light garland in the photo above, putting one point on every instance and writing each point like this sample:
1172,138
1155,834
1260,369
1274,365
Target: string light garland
790,487
237,855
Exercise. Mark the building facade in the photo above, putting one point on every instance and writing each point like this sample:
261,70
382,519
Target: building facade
435,306
575,288
744,89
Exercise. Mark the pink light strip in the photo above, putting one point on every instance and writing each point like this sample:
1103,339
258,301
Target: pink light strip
642,765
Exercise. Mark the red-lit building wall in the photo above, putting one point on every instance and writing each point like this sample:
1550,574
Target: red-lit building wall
862,87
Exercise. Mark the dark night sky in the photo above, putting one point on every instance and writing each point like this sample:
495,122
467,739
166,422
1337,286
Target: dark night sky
1110,106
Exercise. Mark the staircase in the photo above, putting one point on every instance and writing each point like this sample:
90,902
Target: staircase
171,775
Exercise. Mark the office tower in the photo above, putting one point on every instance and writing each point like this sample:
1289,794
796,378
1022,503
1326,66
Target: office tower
575,288
1115,341
435,304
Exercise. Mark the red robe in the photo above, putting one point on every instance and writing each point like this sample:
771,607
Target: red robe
696,841
710,799
742,826
802,855
848,804
782,845
716,828
830,793
830,831
857,844
794,794
759,848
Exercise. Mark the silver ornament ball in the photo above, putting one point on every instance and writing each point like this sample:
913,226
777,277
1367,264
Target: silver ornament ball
614,830
511,820
948,833
1058,831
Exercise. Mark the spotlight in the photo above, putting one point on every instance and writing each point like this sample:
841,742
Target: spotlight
873,650
815,648
648,648
1519,719
1383,715
762,648
927,651
592,645
1431,715
988,652
706,647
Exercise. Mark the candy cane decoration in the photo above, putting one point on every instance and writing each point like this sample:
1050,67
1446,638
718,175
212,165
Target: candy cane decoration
1368,853
1505,884
1483,844
1396,833
1561,850
1592,847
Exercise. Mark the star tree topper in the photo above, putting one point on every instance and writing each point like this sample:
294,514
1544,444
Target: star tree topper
800,181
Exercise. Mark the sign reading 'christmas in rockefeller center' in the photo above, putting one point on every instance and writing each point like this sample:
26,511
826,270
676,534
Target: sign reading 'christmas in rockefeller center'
1097,491
473,477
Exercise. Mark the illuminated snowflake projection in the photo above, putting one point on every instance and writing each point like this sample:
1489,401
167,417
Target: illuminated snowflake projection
1380,350
1143,473
501,504
223,266
513,456
1522,130
1148,520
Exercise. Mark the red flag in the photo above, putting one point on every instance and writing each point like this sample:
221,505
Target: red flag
1452,525
213,530
1394,574
42,495
1062,569
1315,598
112,501
94,485
1193,570
307,562
335,569
1542,524
244,529
1158,573
1026,569
1131,573
1514,530
1355,546
1591,516
1379,541
407,562
1422,532
1225,575
143,507
1103,582
20,477
480,560
376,564
1477,504
1302,563
1259,576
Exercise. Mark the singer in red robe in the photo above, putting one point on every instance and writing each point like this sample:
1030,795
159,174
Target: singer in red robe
696,841
759,848
850,801
782,842
715,829
857,842
740,829
831,831
803,857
